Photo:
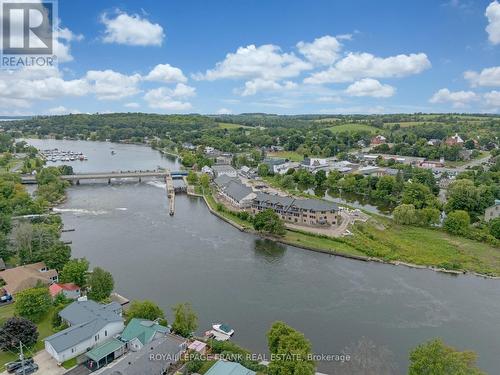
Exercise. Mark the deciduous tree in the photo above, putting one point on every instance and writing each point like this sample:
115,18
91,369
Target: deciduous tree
185,319
435,357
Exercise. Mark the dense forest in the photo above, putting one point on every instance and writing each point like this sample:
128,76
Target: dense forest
317,135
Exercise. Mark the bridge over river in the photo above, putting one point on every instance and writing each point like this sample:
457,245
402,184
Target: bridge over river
167,175
77,177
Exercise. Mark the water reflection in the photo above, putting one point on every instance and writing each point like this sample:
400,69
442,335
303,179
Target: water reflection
366,357
268,250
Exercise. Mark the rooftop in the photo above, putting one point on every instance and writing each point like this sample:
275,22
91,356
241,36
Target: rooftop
166,350
27,276
85,318
228,368
103,350
288,202
142,329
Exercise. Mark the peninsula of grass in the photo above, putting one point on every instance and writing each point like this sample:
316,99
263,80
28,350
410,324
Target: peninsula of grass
380,238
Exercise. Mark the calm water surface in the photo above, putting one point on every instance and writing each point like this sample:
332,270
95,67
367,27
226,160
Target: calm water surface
249,283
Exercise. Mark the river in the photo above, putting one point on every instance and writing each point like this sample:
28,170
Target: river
248,283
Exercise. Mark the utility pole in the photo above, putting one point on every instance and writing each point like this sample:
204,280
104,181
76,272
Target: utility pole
21,357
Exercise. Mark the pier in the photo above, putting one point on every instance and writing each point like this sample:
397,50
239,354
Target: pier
170,194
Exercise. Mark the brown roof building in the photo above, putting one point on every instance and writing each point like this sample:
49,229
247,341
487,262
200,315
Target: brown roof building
27,276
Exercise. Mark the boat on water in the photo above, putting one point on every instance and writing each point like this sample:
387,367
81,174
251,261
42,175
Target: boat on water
223,328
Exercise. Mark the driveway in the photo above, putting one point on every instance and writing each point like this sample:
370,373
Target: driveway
47,364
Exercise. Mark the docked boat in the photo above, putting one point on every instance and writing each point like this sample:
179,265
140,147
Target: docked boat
223,328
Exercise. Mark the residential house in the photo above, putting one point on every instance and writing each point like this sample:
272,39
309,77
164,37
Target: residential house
247,172
371,171
279,165
207,170
454,140
378,140
432,164
137,334
28,276
188,146
433,142
492,212
224,170
140,332
69,290
311,164
313,212
154,359
222,367
224,159
90,324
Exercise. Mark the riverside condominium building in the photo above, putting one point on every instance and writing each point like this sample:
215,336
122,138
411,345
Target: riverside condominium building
298,211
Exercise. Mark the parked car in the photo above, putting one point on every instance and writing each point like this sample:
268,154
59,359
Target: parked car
28,369
6,298
13,366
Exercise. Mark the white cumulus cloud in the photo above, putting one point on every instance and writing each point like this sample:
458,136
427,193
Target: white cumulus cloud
256,85
493,28
111,85
370,87
132,30
366,65
62,110
266,62
456,98
166,73
322,51
165,98
486,77
492,98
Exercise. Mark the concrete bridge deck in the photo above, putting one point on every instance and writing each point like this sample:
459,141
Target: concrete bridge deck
31,179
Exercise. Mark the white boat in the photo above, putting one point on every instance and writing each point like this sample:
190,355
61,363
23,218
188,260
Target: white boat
223,328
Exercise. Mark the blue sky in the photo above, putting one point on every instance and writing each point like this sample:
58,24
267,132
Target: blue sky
266,56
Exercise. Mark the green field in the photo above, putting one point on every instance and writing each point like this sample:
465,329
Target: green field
353,127
392,242
290,155
225,125
381,238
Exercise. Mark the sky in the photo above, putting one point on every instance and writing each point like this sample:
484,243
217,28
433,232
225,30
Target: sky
284,57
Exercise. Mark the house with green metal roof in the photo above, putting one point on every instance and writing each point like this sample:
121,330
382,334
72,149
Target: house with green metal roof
228,368
140,332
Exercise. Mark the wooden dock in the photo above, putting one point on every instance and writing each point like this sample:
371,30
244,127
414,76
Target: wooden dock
170,194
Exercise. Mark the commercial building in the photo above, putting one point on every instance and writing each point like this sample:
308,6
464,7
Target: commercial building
313,212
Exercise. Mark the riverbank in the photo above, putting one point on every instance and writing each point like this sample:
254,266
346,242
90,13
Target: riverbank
383,241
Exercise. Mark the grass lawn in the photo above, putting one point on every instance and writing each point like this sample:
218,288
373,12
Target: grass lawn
459,163
353,127
405,243
425,246
69,363
44,330
225,125
290,155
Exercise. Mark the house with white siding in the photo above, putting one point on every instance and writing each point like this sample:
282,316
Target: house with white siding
90,324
